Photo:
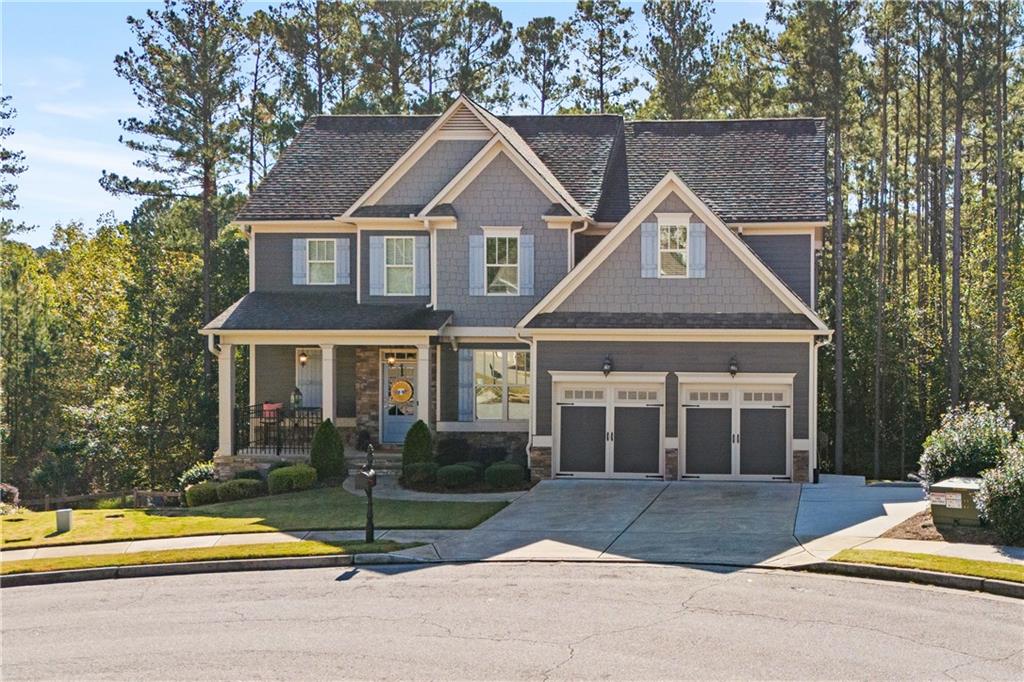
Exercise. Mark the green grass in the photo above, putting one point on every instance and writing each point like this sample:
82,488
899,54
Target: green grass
172,556
932,562
320,509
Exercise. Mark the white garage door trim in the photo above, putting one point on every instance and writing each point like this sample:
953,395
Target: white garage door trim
715,382
588,385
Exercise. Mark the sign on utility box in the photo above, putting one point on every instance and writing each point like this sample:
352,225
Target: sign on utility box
953,502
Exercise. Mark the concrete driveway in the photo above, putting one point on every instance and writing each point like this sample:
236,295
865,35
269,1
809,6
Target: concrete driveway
729,523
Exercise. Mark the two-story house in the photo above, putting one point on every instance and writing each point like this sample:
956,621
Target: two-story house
612,298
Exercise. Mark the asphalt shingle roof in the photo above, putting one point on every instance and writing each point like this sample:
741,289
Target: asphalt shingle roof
746,170
569,320
324,311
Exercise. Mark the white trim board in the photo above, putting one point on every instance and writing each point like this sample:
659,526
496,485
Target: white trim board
670,185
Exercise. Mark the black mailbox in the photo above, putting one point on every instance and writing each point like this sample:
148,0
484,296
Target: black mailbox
366,479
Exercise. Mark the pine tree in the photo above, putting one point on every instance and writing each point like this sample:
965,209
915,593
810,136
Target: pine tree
481,40
545,58
603,31
744,78
12,164
388,50
679,55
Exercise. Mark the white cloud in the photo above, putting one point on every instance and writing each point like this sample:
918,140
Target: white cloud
84,112
67,151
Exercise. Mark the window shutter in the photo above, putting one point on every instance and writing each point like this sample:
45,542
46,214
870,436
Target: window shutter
526,265
299,261
422,265
342,261
696,250
465,385
376,266
649,250
476,265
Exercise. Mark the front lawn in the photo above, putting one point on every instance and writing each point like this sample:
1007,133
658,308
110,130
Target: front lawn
932,562
319,509
173,556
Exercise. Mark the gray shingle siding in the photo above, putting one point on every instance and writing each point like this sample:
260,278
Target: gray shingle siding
275,376
365,296
500,196
274,262
789,256
672,357
432,172
617,287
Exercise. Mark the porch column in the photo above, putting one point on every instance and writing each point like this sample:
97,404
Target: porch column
327,380
423,382
226,399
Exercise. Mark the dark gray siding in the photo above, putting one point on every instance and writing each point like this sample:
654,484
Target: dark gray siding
274,262
365,271
450,374
275,376
432,172
500,196
585,243
789,256
672,357
616,286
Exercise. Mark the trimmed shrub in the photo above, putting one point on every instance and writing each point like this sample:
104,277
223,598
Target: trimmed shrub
239,489
251,474
456,476
278,465
477,467
968,441
417,446
291,479
327,453
197,473
1001,498
504,475
201,493
419,473
452,450
490,455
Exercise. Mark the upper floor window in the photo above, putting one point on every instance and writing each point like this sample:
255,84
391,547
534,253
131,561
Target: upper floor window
501,261
502,384
320,263
399,266
672,252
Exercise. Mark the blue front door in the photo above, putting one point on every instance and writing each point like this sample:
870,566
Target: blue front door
398,395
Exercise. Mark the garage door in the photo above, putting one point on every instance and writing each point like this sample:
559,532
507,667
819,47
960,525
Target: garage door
609,431
735,431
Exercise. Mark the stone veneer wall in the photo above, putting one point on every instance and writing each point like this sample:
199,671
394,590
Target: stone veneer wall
540,463
801,460
671,464
368,390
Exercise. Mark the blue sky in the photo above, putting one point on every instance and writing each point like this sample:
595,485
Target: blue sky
56,60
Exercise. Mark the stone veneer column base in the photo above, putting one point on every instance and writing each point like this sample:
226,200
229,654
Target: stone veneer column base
540,463
671,464
368,391
801,460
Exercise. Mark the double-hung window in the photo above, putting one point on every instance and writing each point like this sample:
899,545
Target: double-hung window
672,249
399,268
501,261
320,261
502,384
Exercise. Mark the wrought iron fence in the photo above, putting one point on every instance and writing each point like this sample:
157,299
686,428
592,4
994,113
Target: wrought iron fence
275,428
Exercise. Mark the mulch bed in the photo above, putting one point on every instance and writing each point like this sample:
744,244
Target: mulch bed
921,527
480,487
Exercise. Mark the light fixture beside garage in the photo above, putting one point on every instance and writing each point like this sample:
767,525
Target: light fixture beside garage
607,366
734,366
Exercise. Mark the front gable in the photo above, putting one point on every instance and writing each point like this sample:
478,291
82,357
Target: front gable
431,172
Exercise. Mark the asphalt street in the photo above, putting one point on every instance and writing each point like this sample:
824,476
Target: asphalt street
508,621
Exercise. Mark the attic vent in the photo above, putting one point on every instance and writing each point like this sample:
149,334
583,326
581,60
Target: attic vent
465,122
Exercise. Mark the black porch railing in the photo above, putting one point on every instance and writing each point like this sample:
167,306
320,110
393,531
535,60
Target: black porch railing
275,428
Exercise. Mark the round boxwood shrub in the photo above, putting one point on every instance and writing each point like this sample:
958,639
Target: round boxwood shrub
452,450
251,474
1001,498
504,475
456,476
419,473
968,441
291,479
327,452
417,446
239,489
201,493
477,467
197,473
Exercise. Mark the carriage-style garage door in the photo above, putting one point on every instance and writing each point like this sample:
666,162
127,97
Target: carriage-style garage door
736,430
609,430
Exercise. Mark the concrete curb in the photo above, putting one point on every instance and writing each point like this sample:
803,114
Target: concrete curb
194,567
1003,588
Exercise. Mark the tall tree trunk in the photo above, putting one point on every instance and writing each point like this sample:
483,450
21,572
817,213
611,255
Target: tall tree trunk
880,274
208,229
837,236
1000,189
958,134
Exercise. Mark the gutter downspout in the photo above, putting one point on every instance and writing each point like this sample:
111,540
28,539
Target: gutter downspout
572,242
533,395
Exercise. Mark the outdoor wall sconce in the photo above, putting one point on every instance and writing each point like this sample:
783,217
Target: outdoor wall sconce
391,360
303,358
734,366
607,366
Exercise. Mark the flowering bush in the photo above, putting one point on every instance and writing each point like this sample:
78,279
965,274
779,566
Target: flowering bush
197,473
1001,498
968,441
